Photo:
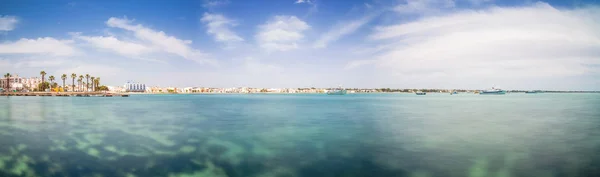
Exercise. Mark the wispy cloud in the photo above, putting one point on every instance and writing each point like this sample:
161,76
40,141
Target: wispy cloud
496,43
302,1
219,27
46,45
37,62
214,3
424,6
125,48
8,23
116,45
281,33
160,40
342,29
313,6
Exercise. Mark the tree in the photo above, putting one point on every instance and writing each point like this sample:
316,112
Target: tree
43,85
87,82
103,88
64,77
43,73
81,82
97,82
73,76
51,81
7,76
93,88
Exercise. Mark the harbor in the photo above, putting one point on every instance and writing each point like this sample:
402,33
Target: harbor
65,94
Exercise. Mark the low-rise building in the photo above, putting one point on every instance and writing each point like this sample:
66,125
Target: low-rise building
134,87
20,83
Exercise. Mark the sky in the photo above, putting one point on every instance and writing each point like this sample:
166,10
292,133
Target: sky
467,44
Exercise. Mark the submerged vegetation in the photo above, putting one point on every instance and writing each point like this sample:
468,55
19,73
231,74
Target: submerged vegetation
151,136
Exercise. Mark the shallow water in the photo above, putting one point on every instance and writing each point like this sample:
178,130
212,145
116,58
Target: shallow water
513,135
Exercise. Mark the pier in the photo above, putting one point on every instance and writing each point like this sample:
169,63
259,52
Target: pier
65,94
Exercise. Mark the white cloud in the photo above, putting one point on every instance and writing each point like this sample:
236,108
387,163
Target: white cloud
340,30
281,33
128,49
8,23
423,6
302,1
162,41
497,43
218,26
116,45
46,45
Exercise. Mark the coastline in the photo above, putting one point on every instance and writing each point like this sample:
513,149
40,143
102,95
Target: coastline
274,93
127,94
66,94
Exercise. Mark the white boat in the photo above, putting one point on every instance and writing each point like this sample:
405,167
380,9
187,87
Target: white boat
337,91
493,91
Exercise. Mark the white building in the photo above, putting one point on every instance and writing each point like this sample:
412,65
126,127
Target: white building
32,82
18,83
134,87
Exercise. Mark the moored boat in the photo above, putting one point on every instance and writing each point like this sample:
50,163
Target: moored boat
420,93
337,91
493,91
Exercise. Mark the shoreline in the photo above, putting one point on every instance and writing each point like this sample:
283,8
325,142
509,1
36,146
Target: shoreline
127,94
272,93
66,94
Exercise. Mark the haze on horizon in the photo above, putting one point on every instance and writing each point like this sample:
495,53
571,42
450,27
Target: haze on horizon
469,44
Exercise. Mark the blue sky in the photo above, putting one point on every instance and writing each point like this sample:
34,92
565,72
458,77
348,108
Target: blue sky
289,43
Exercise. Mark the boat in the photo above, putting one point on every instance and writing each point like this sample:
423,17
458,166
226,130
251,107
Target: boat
420,93
493,91
453,93
337,91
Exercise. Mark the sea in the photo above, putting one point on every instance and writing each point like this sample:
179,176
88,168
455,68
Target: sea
308,135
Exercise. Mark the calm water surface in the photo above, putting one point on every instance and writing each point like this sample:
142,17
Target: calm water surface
513,135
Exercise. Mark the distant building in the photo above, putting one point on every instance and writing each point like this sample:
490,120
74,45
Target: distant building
131,86
32,82
19,83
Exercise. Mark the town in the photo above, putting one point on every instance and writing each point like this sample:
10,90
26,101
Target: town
82,83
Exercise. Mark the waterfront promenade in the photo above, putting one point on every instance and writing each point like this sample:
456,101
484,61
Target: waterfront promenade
65,94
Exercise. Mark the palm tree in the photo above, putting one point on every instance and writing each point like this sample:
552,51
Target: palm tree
87,82
93,88
43,73
7,75
51,81
81,82
97,82
73,76
63,77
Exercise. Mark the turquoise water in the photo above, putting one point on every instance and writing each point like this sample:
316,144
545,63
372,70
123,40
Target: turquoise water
513,135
